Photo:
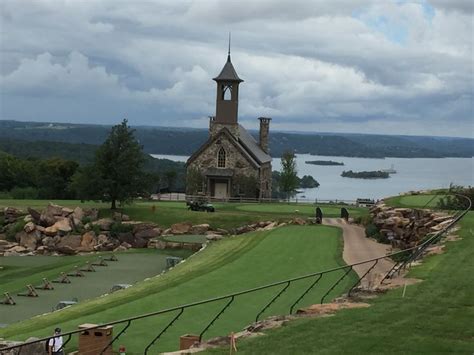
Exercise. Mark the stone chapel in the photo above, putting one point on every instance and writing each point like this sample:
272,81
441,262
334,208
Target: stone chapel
231,163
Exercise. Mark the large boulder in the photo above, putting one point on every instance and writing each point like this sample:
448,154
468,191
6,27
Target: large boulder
48,215
66,211
5,245
29,240
104,223
29,227
11,214
50,231
126,237
92,214
88,241
77,216
299,221
140,243
102,238
49,242
148,233
69,241
18,249
140,226
200,228
63,226
181,228
35,215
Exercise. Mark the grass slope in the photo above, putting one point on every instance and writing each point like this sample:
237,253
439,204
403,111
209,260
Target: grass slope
434,317
227,215
227,266
415,201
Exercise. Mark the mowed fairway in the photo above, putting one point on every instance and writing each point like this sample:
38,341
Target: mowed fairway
227,266
18,271
415,201
434,317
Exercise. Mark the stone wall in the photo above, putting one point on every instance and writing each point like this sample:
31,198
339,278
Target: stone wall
406,227
235,161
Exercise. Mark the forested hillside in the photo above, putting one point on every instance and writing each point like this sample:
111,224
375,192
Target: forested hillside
184,141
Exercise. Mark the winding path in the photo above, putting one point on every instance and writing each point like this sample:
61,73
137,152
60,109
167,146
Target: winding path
357,247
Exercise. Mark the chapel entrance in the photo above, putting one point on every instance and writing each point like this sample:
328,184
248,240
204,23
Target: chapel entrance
219,188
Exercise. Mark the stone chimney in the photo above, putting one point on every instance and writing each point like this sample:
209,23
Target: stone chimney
212,119
264,130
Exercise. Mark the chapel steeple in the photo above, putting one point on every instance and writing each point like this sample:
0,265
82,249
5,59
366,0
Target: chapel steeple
227,100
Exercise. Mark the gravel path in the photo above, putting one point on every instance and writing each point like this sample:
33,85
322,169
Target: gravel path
357,247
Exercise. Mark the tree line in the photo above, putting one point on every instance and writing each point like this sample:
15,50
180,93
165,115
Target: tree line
116,171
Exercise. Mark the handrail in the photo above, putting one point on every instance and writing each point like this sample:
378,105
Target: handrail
416,252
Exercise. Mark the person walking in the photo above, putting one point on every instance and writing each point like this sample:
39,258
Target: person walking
55,344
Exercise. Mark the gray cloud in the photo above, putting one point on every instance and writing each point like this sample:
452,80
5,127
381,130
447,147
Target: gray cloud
383,67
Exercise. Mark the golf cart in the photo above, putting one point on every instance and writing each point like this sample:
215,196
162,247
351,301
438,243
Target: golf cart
200,204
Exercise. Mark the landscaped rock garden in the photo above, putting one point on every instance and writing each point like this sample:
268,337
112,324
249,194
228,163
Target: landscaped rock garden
406,227
62,230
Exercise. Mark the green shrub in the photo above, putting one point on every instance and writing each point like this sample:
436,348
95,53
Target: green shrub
24,193
116,228
96,229
14,229
364,220
5,195
371,230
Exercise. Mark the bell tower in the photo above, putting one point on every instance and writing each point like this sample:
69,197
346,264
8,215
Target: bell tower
227,100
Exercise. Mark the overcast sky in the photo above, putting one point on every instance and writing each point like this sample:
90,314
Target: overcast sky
391,67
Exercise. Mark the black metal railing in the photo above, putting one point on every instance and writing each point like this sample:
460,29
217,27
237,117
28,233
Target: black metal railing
411,254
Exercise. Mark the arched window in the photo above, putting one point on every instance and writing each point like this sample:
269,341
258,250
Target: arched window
221,158
226,92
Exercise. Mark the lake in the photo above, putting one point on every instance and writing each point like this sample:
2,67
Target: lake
412,174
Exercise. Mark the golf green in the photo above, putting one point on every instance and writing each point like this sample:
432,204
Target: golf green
18,271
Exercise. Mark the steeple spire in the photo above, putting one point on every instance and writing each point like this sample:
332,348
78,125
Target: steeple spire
228,53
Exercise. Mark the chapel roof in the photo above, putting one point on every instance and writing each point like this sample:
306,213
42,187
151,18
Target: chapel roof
228,72
251,145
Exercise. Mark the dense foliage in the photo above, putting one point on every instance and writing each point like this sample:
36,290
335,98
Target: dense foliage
366,174
308,182
34,178
288,176
455,201
323,162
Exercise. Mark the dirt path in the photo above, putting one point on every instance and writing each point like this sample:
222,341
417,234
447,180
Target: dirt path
357,247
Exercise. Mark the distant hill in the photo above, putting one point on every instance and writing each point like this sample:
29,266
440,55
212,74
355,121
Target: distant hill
184,141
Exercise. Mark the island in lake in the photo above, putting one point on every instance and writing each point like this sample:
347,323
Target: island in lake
366,174
323,162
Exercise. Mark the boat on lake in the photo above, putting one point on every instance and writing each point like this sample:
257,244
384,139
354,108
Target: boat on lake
390,171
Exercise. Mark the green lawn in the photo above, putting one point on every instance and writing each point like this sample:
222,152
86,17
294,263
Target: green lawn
415,201
435,316
227,215
186,238
296,209
18,271
227,266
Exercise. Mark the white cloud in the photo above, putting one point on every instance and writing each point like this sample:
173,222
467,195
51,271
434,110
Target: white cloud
358,64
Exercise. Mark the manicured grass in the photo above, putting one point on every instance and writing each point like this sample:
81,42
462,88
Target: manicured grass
186,238
415,201
227,215
435,316
230,265
18,271
295,209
